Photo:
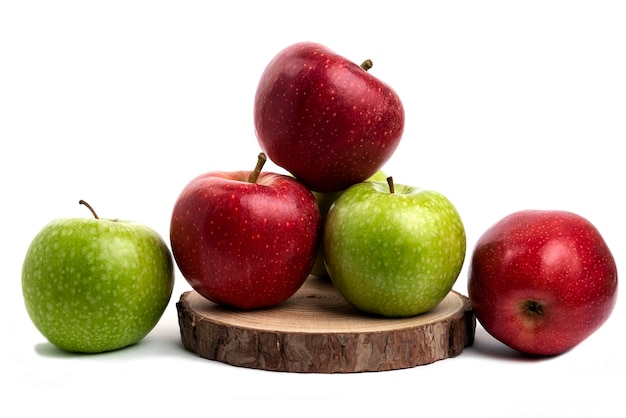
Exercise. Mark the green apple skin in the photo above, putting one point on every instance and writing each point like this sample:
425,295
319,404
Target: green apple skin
93,285
324,202
393,254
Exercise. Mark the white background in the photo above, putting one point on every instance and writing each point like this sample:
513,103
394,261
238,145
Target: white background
509,105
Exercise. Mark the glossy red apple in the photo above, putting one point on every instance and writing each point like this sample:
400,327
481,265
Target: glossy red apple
542,281
325,119
245,242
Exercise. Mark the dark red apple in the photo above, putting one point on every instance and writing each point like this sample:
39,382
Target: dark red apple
542,281
245,242
325,119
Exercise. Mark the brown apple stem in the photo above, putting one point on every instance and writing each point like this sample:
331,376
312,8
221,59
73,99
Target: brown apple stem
367,64
254,174
82,202
392,188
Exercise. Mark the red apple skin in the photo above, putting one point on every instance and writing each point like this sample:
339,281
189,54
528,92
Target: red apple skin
553,261
325,119
245,245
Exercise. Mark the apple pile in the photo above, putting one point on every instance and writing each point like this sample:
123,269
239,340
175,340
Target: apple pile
391,250
539,281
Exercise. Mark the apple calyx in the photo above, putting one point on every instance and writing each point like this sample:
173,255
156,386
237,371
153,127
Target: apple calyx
533,308
254,174
392,188
367,64
82,202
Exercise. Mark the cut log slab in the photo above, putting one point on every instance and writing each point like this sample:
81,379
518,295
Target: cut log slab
317,331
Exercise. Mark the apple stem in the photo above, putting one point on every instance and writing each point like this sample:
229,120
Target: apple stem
367,64
392,188
254,175
82,202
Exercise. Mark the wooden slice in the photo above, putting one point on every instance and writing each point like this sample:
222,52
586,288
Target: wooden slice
316,330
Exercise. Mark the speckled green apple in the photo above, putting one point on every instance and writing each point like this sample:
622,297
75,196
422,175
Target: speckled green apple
393,251
93,285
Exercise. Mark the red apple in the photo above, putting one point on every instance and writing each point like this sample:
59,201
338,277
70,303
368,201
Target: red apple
243,242
542,281
326,120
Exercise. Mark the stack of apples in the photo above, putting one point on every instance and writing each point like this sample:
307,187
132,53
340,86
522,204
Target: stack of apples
250,239
539,281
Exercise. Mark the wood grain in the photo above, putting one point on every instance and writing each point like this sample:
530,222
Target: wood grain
317,331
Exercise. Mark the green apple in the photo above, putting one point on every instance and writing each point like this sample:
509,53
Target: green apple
324,202
394,251
92,285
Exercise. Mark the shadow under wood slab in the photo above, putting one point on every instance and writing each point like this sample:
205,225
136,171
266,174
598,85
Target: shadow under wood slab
317,331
